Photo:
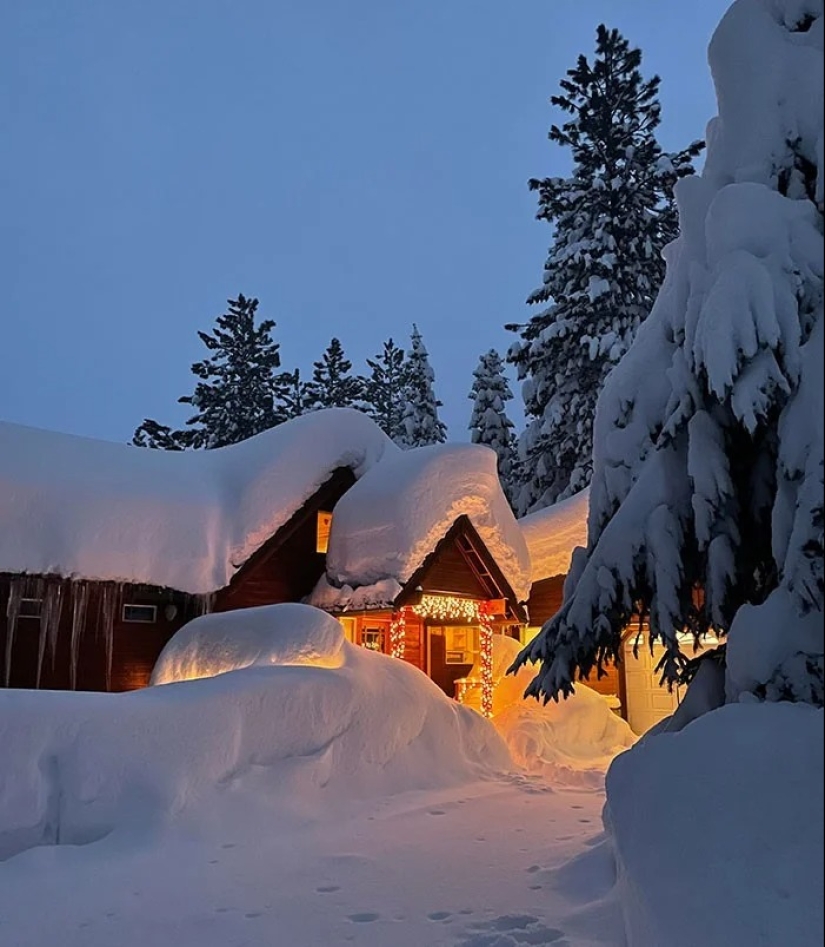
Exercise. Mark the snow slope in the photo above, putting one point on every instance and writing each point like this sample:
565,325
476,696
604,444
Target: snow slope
347,724
73,506
569,742
718,830
387,524
553,533
323,794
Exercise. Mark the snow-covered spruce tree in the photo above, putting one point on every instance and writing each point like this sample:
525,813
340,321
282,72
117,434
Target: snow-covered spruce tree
612,218
159,436
332,384
489,423
420,424
385,389
706,509
295,397
240,392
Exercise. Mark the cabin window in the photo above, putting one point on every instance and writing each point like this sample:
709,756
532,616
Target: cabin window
30,607
348,624
140,614
460,644
322,531
373,639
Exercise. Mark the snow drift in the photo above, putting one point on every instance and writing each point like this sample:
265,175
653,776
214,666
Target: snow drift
389,522
718,830
285,635
571,743
303,737
77,507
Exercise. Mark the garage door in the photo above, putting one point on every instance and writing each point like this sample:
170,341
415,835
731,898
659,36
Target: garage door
647,702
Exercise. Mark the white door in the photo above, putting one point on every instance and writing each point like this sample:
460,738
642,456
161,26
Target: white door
647,701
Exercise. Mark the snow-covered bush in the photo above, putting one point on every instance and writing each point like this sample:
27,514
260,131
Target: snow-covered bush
707,491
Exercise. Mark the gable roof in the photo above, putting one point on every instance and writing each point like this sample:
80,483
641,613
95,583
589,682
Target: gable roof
463,537
84,508
553,533
387,525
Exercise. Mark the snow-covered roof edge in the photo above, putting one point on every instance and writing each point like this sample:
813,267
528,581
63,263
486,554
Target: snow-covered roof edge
394,517
554,533
82,508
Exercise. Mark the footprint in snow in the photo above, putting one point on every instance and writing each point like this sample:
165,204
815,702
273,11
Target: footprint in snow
364,917
436,812
327,889
439,915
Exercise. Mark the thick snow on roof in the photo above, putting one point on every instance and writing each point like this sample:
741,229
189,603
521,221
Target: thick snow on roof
73,506
552,535
393,518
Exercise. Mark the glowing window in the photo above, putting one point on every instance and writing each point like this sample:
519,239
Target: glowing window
322,531
348,624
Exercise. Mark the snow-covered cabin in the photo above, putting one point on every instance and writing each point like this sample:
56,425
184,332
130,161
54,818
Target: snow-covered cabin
107,549
425,559
552,535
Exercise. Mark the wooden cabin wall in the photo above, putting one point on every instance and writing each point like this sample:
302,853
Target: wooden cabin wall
286,568
449,572
136,645
545,599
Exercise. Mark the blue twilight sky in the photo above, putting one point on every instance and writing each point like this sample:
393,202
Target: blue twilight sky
356,165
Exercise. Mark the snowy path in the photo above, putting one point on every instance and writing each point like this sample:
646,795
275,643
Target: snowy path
476,866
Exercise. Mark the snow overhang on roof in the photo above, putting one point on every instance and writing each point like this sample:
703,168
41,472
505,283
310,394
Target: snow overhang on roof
553,533
82,508
395,516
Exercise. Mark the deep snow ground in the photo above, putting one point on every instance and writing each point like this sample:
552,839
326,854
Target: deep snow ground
475,866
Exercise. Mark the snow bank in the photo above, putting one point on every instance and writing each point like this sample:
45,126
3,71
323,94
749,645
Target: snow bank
553,533
291,738
765,642
718,830
570,743
285,634
73,506
394,517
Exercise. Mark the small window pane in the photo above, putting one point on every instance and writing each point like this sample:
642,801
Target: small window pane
322,534
146,614
30,607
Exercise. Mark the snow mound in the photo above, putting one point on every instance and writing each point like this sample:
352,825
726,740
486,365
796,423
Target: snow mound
750,776
289,739
78,507
285,634
571,743
393,518
553,533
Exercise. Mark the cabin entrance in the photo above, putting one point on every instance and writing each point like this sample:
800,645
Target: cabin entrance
452,651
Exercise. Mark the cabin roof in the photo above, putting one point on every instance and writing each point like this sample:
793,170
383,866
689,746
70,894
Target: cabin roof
83,508
553,533
388,524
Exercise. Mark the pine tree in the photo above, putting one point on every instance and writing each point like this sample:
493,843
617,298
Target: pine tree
385,390
159,436
706,509
420,423
294,400
332,385
489,423
239,393
612,216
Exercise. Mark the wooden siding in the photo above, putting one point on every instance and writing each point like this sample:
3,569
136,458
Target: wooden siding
545,599
287,567
450,572
135,645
